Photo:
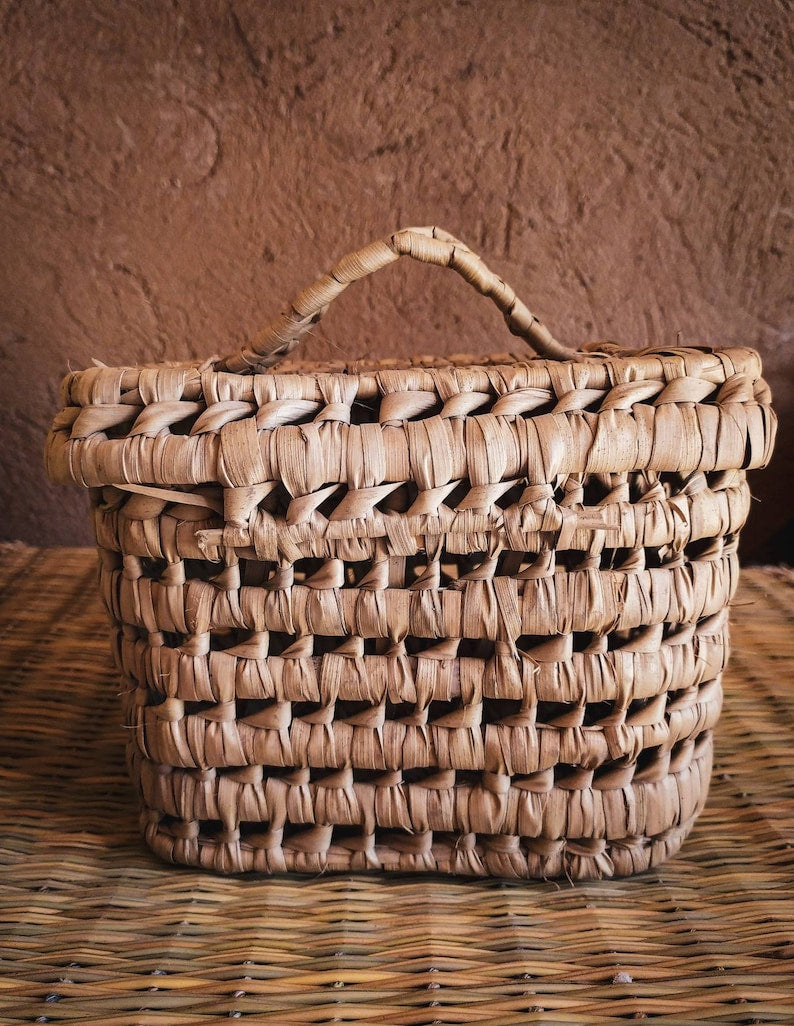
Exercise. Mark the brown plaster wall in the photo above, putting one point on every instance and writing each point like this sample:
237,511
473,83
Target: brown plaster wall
172,172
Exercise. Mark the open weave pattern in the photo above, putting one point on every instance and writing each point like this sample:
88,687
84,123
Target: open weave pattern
445,616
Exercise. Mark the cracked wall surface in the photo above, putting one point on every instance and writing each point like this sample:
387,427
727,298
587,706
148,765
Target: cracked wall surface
171,174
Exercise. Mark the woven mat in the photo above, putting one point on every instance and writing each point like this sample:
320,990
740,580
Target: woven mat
93,929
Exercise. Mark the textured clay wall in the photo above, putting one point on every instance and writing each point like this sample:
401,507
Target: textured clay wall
172,172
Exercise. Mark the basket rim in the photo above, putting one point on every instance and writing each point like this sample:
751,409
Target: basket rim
670,361
249,421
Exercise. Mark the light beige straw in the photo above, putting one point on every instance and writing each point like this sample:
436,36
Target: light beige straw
462,616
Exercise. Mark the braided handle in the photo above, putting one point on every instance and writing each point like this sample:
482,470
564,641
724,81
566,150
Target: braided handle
427,245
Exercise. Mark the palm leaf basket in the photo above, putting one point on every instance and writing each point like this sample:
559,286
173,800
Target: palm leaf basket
462,615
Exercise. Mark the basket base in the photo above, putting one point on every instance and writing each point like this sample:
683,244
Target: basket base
625,857
667,806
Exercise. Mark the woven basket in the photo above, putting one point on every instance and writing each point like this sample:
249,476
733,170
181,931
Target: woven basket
464,615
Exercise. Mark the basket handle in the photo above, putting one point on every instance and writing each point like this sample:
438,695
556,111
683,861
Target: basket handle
427,245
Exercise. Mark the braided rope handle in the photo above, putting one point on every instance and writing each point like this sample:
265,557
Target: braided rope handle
427,245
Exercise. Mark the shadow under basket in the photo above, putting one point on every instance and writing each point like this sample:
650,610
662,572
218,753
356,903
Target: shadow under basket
462,615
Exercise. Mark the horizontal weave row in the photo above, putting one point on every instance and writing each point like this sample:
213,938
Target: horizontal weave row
259,812
501,609
665,515
496,374
510,745
648,664
579,859
483,450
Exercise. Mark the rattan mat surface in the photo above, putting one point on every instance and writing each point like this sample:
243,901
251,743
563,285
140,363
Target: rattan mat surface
93,929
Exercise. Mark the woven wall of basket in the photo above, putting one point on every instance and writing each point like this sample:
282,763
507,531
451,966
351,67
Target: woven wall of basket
464,615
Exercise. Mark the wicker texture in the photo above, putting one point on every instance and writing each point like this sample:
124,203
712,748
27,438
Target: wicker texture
96,930
465,616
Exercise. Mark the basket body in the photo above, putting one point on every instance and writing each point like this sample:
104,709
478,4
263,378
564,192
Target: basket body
459,616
